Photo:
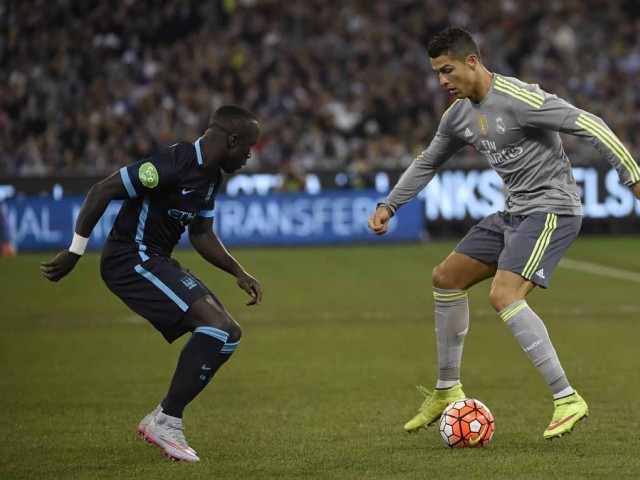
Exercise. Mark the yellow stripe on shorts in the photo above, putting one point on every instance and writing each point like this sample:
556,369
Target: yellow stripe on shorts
550,225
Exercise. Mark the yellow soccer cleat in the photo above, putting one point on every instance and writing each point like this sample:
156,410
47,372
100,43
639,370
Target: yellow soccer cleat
433,406
568,411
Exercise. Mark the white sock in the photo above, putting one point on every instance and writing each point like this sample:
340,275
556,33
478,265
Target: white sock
563,393
442,384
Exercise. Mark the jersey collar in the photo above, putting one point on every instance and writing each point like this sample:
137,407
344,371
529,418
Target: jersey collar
489,92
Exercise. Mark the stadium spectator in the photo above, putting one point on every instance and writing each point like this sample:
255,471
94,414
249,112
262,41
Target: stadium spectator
293,179
80,79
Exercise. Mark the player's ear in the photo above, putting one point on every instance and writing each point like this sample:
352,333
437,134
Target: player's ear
472,61
232,140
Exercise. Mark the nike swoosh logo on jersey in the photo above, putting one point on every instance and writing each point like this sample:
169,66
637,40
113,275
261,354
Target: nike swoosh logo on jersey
185,191
473,441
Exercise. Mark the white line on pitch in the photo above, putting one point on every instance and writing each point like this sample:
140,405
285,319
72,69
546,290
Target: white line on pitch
601,270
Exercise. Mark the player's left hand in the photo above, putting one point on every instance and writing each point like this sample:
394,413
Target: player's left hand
60,266
252,286
636,190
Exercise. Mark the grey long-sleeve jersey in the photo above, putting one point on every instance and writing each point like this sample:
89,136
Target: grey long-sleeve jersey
516,127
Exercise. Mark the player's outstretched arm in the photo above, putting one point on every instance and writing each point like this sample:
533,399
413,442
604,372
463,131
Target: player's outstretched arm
92,209
558,115
379,221
209,246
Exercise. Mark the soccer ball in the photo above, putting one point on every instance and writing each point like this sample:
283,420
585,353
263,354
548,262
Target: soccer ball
467,423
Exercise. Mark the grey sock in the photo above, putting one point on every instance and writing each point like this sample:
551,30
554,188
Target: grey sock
534,339
452,324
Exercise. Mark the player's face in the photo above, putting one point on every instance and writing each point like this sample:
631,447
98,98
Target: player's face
455,76
239,154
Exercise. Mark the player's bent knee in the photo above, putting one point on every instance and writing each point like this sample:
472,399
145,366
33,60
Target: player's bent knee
233,329
501,298
206,312
224,322
442,278
508,288
496,300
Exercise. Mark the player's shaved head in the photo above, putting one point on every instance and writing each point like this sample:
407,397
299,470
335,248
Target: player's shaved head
454,42
235,119
233,131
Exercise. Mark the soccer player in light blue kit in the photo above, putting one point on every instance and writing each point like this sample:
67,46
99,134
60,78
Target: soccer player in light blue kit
516,126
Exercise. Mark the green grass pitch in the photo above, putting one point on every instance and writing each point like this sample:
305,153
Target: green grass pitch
324,378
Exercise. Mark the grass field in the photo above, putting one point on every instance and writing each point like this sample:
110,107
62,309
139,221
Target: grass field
324,378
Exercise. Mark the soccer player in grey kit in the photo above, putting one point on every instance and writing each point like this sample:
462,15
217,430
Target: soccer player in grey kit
516,126
165,194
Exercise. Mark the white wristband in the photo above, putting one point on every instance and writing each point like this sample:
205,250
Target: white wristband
78,244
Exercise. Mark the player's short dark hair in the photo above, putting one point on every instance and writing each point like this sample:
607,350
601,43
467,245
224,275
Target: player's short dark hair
234,118
454,42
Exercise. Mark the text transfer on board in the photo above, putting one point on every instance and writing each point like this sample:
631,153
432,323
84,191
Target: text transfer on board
331,217
338,216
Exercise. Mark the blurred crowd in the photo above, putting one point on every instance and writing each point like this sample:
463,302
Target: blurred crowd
337,84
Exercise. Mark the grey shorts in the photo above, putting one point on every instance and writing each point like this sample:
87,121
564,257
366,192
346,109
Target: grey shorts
529,245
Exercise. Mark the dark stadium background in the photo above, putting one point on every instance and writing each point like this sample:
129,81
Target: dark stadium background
325,376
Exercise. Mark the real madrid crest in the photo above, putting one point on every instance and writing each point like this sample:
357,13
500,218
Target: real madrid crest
500,126
483,125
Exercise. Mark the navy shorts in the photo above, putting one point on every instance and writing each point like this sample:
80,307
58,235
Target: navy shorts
529,245
158,289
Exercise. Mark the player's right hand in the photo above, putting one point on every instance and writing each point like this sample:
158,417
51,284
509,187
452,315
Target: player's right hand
379,221
60,266
252,286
